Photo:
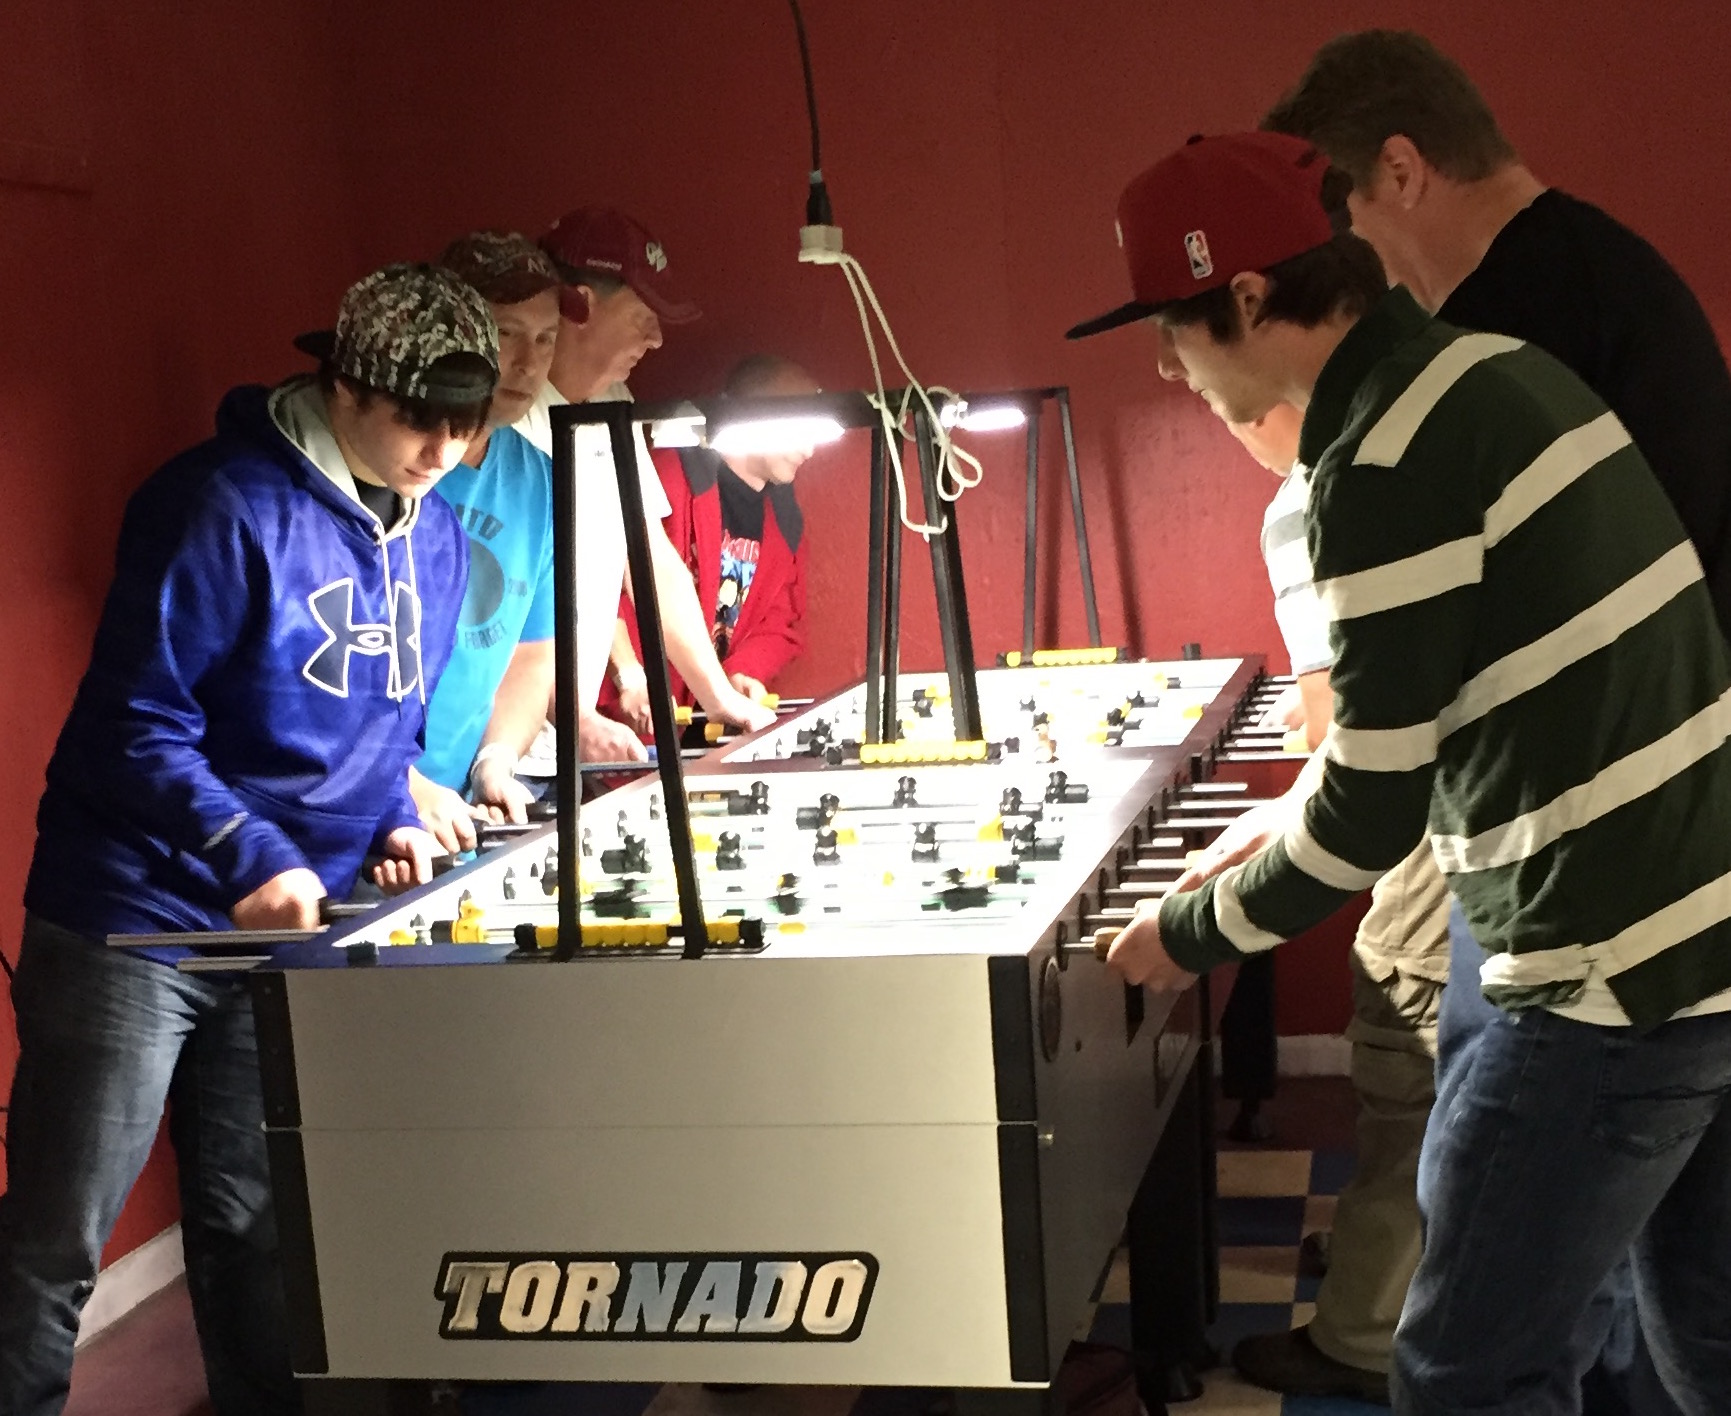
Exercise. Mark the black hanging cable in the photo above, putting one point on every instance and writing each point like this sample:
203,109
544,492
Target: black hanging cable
817,208
810,91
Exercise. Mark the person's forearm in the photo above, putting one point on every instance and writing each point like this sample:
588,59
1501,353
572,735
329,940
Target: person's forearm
163,627
1401,634
623,656
521,702
765,652
776,636
684,625
1316,695
1309,778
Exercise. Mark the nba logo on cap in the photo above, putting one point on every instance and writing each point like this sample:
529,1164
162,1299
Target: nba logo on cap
1196,248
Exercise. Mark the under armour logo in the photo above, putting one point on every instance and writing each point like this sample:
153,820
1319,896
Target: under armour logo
333,611
655,255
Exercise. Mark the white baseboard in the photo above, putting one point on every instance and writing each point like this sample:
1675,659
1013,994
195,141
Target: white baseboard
130,1279
1315,1055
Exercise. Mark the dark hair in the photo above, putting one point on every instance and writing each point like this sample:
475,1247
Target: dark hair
1343,277
758,372
602,282
1363,89
422,415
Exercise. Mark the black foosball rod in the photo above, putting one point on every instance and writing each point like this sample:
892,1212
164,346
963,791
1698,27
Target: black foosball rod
1031,535
617,417
951,588
1084,561
877,528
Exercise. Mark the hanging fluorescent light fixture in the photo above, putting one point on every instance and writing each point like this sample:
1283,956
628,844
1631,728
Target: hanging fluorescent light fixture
769,437
758,426
680,427
991,416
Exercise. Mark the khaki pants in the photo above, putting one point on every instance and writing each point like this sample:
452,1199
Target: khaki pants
1399,965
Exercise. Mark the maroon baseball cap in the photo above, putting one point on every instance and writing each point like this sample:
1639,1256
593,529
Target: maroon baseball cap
608,241
1213,209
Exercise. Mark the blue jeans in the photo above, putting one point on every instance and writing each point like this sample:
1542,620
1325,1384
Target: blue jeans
105,1039
1555,1148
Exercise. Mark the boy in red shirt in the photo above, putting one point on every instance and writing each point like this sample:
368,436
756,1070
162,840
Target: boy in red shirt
736,521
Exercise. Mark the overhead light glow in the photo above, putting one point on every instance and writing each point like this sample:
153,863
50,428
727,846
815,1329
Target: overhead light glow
766,437
992,418
685,431
988,417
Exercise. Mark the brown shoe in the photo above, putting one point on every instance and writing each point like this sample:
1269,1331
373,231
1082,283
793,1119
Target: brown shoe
1289,1363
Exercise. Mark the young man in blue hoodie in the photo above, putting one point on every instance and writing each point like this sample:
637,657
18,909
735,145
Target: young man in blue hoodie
285,596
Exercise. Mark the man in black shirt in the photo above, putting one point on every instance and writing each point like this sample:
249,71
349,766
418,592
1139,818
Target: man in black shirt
1461,222
1487,246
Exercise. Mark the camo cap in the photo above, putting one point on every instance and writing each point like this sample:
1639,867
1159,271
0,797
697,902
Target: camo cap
505,267
415,331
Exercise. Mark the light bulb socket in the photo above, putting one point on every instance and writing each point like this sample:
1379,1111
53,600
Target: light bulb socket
817,208
820,245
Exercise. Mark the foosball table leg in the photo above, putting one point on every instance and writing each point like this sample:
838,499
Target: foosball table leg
1249,1049
1169,1268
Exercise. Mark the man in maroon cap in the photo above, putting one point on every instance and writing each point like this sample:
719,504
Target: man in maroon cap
614,301
1529,666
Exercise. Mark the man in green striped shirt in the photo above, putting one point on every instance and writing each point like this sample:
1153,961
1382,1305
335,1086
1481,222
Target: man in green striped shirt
1528,666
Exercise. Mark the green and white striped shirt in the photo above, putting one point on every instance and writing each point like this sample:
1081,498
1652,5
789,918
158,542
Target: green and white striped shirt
1526,656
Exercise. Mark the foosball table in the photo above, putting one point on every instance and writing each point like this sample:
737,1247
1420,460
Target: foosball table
886,1124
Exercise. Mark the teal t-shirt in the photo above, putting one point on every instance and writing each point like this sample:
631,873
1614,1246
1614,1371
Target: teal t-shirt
506,509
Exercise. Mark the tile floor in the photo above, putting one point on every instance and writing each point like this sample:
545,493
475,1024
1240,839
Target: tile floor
1270,1196
1269,1199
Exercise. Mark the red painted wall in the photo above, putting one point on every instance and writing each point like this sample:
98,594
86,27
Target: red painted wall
247,161
210,224
975,150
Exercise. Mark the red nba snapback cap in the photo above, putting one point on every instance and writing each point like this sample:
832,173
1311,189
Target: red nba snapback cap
1216,207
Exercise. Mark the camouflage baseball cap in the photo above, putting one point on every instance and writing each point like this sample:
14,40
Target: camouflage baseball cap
415,331
505,267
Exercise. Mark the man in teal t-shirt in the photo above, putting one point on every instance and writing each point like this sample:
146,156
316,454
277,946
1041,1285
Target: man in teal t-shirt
504,507
492,698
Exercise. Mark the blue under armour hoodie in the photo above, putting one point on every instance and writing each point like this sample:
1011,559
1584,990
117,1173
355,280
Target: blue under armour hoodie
258,685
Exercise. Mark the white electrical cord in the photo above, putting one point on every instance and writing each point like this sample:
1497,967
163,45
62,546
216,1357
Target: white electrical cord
952,480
